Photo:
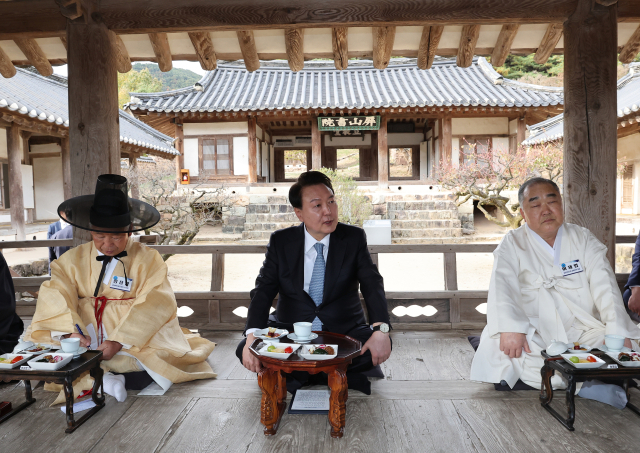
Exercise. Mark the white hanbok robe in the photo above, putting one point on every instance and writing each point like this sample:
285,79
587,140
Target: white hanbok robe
529,294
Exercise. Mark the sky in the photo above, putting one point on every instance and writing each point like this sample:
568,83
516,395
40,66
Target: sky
191,65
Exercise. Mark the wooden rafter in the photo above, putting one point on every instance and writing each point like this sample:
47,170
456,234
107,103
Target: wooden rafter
467,48
7,69
503,44
248,49
340,47
383,38
203,46
429,42
35,55
123,61
548,43
160,44
294,40
34,126
631,48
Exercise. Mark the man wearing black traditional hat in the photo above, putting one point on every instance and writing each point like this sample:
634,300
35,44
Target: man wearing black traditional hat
113,293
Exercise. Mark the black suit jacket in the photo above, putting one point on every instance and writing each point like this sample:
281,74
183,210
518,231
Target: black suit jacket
348,264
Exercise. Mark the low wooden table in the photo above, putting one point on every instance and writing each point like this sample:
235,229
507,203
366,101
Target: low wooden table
90,360
574,375
273,382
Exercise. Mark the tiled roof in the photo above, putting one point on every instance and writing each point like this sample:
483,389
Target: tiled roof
46,99
319,85
628,104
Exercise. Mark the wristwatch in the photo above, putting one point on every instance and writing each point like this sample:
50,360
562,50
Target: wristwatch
384,328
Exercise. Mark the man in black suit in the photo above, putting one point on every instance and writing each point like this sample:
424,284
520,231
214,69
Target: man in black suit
631,296
310,291
11,326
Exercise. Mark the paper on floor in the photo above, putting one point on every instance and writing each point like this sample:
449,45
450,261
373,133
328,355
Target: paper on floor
152,389
79,407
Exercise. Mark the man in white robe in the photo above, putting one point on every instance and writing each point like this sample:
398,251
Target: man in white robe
551,281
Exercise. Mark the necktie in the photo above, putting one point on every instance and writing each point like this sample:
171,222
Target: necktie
105,261
316,285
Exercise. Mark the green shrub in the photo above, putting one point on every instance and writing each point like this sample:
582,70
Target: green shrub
353,207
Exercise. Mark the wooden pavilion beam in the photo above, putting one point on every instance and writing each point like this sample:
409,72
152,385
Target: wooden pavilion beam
123,60
467,48
35,55
503,44
383,38
590,126
7,69
248,49
548,43
294,40
340,47
160,44
631,48
203,46
429,42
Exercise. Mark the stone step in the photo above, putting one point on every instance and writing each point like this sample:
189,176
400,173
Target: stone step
422,215
268,199
424,224
272,226
420,205
269,218
269,208
430,233
231,229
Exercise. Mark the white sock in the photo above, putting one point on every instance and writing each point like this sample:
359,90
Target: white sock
114,386
605,393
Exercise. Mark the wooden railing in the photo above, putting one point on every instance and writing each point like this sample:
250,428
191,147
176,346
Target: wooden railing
213,309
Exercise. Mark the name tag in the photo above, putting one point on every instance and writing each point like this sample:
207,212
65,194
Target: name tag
572,267
120,284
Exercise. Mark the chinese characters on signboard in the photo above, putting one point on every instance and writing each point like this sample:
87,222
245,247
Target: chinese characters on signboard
349,123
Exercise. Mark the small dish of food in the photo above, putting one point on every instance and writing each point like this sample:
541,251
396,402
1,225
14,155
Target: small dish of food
270,333
319,351
583,360
629,359
278,350
8,361
578,348
50,362
37,349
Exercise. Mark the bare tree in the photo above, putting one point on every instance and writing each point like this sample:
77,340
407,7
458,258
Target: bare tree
485,176
183,210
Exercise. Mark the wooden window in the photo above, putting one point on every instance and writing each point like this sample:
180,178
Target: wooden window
216,155
290,162
627,187
472,147
404,162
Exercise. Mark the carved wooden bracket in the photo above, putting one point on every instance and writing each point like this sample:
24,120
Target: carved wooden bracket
71,9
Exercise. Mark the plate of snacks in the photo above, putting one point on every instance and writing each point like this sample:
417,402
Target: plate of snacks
37,349
278,350
50,362
628,359
8,361
270,333
319,351
583,360
578,348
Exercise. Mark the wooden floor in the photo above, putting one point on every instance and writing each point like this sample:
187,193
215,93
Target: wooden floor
425,403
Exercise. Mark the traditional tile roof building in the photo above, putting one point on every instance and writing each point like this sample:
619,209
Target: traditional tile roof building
427,113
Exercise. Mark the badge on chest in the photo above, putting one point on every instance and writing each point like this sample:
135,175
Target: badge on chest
571,267
121,284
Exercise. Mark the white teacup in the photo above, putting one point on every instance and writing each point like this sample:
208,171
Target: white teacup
70,345
614,342
302,329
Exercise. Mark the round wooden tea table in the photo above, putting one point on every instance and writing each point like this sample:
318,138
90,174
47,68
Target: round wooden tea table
273,382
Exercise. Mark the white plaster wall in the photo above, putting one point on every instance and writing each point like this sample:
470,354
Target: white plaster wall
479,126
240,156
404,139
455,152
272,165
27,186
235,127
191,161
629,147
347,141
500,143
3,144
259,132
48,188
513,127
48,148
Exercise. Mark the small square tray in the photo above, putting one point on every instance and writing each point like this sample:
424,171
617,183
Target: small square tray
8,366
278,355
45,366
614,356
597,364
305,354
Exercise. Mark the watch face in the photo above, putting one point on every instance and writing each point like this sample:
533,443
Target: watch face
384,327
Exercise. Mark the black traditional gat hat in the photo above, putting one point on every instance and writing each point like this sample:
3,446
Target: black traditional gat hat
110,207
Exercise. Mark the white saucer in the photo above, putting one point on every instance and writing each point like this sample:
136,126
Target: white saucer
604,348
292,336
81,350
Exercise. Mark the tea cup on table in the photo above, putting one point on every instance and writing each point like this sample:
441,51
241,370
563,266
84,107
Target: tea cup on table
70,345
302,329
614,342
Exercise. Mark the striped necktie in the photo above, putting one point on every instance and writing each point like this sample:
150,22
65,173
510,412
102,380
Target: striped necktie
316,285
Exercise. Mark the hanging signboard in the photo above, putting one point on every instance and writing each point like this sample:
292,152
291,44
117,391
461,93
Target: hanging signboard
349,123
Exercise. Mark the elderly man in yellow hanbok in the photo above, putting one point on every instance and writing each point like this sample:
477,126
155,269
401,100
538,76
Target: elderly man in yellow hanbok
114,295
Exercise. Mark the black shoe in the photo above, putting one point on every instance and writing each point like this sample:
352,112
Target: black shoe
359,382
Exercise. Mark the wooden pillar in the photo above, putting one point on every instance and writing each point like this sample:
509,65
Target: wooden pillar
383,154
217,272
446,140
316,145
94,132
133,176
66,168
179,145
521,129
25,146
253,153
16,200
590,128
